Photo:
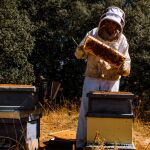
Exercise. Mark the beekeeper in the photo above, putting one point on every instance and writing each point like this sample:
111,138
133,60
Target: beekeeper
100,75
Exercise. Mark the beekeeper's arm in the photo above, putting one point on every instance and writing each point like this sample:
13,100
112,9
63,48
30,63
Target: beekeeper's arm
80,52
124,70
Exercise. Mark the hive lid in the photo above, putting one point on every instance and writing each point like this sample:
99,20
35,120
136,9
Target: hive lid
17,87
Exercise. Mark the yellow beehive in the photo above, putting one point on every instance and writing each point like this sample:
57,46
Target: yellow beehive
110,115
111,130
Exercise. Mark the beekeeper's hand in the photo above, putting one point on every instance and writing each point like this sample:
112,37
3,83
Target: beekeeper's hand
105,65
124,69
80,53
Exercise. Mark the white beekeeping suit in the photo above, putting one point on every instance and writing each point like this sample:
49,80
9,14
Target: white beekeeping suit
100,75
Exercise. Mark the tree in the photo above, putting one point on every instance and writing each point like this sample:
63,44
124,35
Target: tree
138,33
16,44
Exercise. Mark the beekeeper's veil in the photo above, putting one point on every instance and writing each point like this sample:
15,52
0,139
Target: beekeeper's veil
116,15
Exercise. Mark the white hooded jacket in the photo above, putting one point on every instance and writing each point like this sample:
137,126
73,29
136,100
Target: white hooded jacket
98,68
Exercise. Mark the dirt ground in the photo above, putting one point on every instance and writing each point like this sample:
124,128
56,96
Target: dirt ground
141,135
58,131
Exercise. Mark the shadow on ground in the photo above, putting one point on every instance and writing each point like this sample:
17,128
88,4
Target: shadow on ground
59,144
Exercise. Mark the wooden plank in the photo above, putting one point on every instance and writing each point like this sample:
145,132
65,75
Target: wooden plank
68,135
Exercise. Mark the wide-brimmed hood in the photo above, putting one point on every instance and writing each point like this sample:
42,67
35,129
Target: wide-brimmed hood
114,14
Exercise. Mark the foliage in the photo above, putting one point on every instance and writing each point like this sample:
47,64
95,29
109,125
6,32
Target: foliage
16,44
138,30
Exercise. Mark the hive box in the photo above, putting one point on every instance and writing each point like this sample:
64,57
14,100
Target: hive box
110,102
111,130
23,96
110,115
21,132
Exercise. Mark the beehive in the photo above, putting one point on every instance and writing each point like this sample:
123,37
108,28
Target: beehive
19,116
110,115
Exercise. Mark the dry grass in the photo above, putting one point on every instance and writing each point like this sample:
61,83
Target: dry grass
56,118
141,135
